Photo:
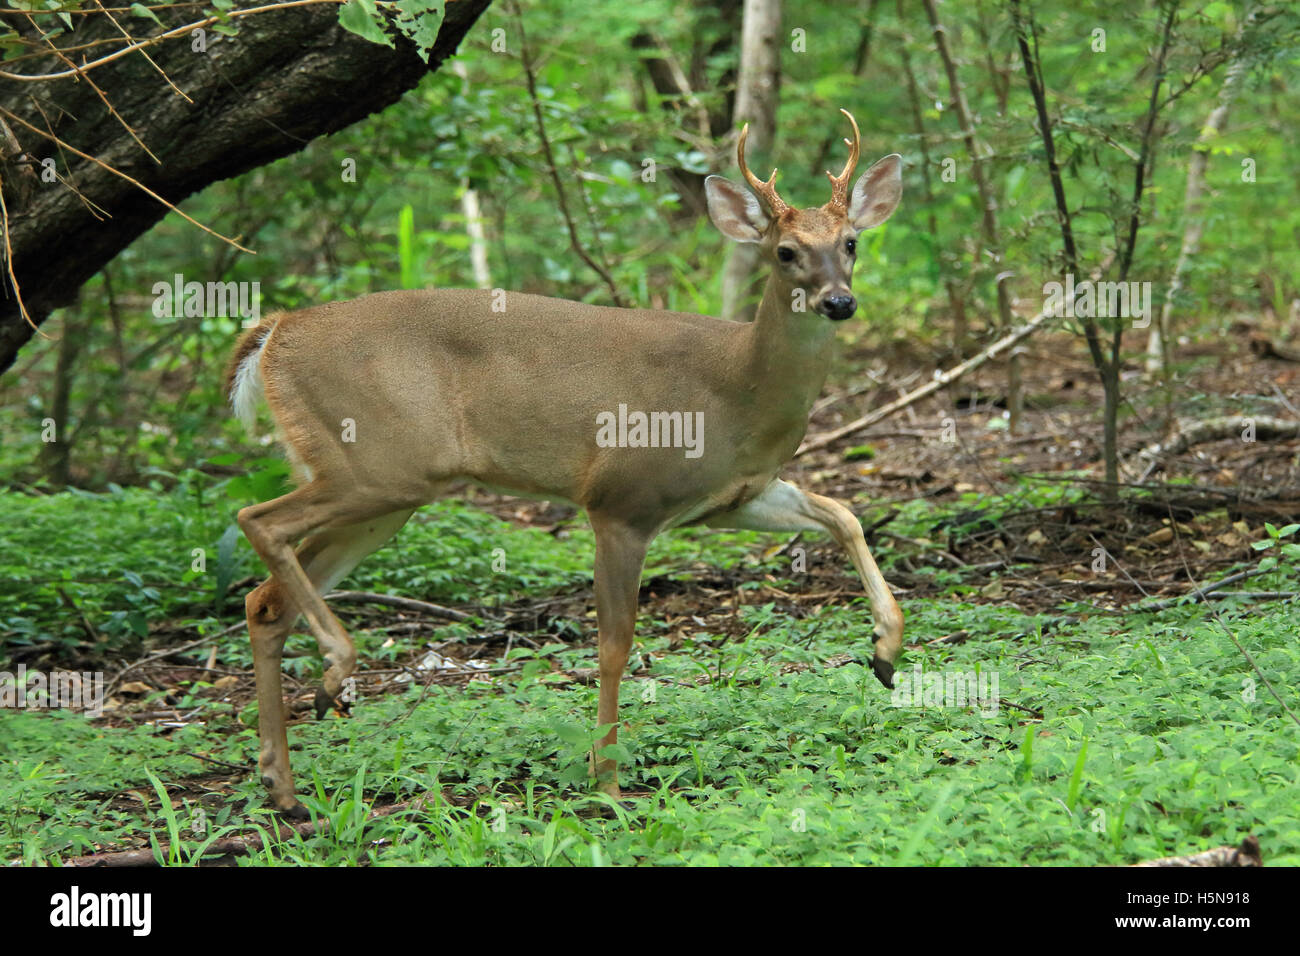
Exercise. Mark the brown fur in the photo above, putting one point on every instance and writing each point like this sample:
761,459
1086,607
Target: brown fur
441,385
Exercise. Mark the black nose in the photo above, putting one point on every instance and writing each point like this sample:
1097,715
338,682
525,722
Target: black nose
839,307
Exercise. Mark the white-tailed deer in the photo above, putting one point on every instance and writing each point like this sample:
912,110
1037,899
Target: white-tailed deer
648,420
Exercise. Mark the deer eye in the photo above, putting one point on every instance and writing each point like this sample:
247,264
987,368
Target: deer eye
785,254
851,246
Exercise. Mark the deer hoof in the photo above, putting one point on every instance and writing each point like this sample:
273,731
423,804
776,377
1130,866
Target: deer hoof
323,703
296,813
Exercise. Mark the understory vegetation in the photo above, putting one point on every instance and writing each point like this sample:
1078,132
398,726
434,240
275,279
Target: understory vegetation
755,732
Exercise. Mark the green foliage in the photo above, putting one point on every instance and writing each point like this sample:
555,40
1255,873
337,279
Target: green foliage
1153,738
146,392
417,20
1127,762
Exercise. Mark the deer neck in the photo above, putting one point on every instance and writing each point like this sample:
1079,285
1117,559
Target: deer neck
789,353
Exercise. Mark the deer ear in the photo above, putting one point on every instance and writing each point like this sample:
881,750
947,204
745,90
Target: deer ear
735,210
876,193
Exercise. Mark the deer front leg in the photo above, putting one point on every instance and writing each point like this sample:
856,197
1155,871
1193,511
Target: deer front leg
783,507
620,554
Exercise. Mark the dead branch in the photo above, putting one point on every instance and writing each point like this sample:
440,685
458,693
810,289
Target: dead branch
944,379
1248,854
405,604
1215,429
1265,347
530,79
80,70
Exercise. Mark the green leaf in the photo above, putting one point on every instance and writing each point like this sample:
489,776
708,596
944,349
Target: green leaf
420,21
860,453
362,18
140,10
226,561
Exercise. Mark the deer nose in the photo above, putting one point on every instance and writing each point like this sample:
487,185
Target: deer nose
839,307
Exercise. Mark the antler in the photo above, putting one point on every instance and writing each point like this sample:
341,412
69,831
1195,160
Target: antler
767,190
840,183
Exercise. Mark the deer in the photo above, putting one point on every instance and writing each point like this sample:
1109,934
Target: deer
384,401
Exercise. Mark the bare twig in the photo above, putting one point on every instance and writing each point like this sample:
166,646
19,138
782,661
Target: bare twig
108,104
530,78
130,179
179,92
9,262
940,380
81,69
406,604
168,653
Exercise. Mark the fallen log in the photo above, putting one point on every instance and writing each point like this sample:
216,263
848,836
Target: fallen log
940,380
1244,427
404,604
1248,854
1265,347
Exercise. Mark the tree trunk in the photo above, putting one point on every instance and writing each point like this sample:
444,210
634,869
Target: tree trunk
756,97
58,453
943,269
1110,427
288,77
1193,218
988,205
473,211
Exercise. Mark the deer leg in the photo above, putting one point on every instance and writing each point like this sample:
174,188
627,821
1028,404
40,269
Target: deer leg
273,526
783,507
270,619
272,609
620,554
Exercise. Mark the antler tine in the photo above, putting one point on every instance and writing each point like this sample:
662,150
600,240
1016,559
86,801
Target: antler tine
766,190
840,184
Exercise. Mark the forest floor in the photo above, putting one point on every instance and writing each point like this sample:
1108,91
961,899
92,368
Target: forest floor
1125,720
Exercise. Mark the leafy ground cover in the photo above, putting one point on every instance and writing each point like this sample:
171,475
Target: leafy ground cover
754,732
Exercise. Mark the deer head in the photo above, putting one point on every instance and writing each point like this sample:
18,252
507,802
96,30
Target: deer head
811,249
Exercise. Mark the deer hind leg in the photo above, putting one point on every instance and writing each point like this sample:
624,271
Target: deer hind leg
620,554
272,610
783,507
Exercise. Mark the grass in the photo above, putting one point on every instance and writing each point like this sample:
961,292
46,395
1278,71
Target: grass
1155,736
